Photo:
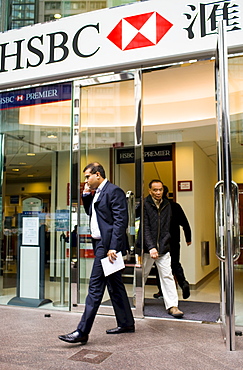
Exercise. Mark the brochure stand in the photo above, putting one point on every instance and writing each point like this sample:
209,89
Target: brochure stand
31,265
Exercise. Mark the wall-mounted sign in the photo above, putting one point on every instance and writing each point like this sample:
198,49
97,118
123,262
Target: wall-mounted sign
141,33
185,185
35,95
32,204
161,153
14,199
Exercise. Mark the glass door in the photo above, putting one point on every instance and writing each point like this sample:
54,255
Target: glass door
35,153
107,129
235,74
226,197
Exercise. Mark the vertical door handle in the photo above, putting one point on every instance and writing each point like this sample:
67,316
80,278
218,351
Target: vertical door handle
221,222
236,221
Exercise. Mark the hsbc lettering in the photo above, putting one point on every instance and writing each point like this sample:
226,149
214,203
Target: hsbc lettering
54,45
126,155
7,100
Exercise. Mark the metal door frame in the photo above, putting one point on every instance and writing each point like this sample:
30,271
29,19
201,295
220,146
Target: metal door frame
226,196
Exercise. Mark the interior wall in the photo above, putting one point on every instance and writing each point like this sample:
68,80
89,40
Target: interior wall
125,176
158,170
198,205
237,173
40,187
101,155
184,171
205,178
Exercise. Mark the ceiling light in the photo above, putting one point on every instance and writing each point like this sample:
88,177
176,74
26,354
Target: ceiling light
30,175
52,136
15,169
31,154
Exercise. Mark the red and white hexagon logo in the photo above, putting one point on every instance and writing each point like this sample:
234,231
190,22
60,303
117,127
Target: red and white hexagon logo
139,31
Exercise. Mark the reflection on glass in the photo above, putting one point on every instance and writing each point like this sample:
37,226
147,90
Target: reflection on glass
106,135
236,132
37,148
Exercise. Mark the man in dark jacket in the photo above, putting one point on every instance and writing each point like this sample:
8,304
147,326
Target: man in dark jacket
157,218
178,219
108,213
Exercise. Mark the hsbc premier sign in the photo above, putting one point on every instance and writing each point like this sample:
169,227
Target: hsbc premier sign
139,34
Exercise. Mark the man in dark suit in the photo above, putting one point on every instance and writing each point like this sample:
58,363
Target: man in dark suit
108,223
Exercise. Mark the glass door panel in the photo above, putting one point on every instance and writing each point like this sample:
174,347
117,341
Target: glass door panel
226,196
180,144
35,132
107,136
235,65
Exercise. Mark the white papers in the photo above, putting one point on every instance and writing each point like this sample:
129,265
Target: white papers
109,268
30,233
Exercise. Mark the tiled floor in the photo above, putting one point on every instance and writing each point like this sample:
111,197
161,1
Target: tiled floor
29,340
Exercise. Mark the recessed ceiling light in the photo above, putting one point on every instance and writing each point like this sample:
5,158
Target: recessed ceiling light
31,154
52,136
15,169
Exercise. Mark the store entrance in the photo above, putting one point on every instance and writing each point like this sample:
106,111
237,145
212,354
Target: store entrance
179,148
107,129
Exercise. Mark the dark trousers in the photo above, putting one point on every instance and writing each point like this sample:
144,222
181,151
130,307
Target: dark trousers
176,267
116,289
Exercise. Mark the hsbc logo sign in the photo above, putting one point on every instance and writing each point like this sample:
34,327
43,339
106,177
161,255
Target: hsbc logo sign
139,31
113,39
133,32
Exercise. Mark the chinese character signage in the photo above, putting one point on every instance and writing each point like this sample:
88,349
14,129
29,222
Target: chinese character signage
142,33
203,18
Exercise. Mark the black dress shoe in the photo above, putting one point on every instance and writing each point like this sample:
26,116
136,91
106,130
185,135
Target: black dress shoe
158,295
75,337
119,330
185,290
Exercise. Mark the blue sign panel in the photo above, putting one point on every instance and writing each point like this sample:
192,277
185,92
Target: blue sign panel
35,95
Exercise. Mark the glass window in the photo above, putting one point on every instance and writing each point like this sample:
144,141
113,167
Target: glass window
52,5
27,12
36,134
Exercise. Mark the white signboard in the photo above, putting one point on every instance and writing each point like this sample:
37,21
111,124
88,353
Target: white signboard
29,272
138,34
30,231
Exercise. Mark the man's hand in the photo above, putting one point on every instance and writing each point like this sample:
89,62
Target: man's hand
86,188
189,243
112,255
154,253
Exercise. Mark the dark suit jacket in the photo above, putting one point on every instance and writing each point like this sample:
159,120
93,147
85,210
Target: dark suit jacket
179,219
112,216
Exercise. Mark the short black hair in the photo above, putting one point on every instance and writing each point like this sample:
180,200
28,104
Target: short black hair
95,167
152,181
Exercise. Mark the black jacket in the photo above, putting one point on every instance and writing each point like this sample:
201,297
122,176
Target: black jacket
179,219
157,225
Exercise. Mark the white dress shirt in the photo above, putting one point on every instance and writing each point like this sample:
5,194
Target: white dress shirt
94,227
